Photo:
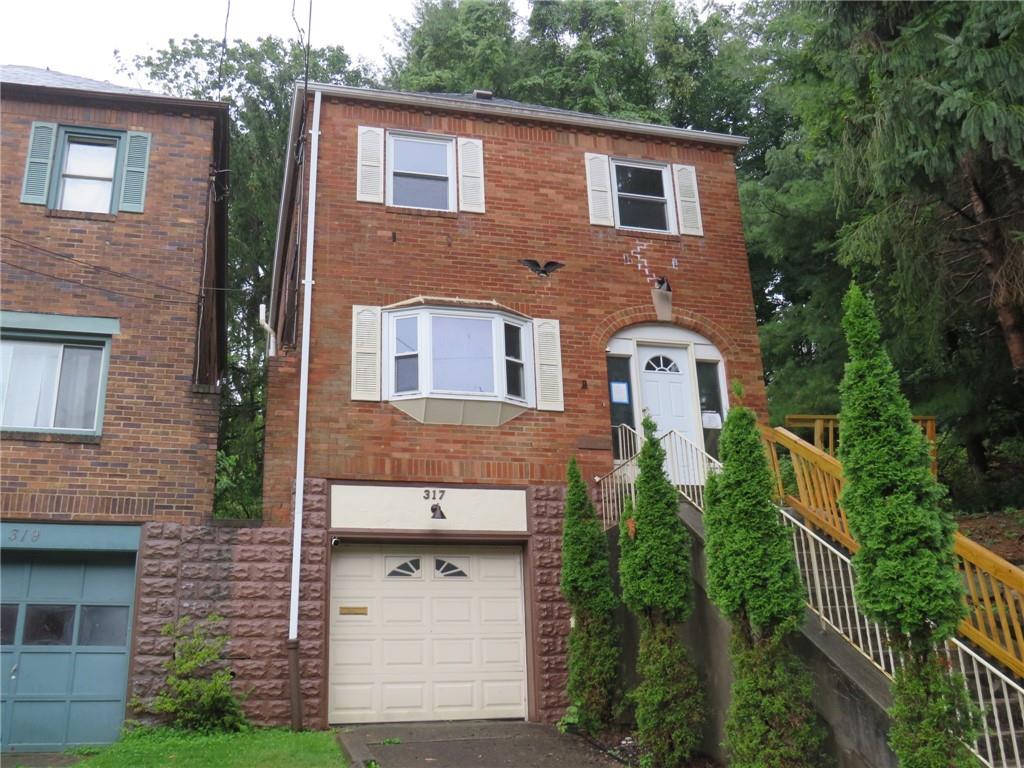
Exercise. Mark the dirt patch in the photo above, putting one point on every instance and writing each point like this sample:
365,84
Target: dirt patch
1003,533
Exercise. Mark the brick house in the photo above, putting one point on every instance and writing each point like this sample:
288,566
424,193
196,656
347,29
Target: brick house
113,341
422,438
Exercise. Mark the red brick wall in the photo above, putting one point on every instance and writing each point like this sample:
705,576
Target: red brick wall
536,208
156,457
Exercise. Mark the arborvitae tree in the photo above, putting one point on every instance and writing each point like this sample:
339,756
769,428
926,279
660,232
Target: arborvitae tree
587,587
654,571
753,579
906,576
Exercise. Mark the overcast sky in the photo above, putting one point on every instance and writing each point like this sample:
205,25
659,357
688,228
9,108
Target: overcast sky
79,37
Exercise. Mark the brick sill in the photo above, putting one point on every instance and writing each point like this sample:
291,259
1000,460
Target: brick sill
49,437
422,212
54,213
636,234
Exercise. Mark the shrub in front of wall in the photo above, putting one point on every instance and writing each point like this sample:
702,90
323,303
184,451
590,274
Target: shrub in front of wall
771,723
197,693
905,566
932,715
593,656
753,579
654,571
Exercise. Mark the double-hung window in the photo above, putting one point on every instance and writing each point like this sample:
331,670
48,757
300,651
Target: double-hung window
421,171
457,354
53,371
643,196
89,170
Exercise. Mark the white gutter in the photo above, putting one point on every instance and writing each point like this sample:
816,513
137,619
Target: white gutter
300,448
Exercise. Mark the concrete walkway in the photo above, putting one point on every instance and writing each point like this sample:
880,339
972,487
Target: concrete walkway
489,744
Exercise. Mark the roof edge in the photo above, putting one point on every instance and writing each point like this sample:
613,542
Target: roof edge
156,99
526,112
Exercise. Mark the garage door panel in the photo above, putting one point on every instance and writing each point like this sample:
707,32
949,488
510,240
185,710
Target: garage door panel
37,724
43,673
92,721
403,611
14,577
57,581
501,694
411,652
105,582
352,653
353,698
452,610
496,651
447,638
99,674
406,697
452,651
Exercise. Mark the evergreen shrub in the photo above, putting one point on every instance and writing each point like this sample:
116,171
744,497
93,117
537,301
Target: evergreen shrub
753,579
197,693
593,656
906,575
654,572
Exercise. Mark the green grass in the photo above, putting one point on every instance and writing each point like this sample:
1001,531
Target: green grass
258,748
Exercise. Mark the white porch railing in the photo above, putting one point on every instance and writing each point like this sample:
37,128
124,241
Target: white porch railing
685,462
829,579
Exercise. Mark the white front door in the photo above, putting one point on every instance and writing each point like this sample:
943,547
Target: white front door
667,394
426,632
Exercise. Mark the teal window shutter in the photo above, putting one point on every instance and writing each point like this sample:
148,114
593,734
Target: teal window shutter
36,184
136,167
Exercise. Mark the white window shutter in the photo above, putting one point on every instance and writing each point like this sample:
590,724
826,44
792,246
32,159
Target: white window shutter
370,171
471,175
365,352
599,190
687,200
547,356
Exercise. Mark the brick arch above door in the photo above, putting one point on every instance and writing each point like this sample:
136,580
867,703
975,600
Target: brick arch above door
644,313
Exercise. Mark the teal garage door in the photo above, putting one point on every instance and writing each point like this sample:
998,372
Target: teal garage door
65,629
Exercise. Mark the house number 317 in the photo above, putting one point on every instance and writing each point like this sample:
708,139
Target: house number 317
433,494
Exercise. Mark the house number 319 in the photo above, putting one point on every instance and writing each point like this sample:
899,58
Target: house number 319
433,494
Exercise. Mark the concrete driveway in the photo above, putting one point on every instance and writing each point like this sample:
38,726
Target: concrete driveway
489,744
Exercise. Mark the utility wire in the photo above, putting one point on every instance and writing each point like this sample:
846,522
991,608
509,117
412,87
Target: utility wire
93,287
108,270
223,53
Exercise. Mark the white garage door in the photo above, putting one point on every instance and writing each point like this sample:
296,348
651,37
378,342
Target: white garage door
426,633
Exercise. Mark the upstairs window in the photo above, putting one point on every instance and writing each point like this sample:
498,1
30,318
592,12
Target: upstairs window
421,172
642,197
90,170
53,371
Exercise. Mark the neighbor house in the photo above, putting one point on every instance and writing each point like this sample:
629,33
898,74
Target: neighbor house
113,241
484,289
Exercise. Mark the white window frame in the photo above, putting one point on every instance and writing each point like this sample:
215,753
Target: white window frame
667,186
426,360
389,169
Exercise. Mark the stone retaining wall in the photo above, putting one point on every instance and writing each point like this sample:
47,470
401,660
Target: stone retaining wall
243,574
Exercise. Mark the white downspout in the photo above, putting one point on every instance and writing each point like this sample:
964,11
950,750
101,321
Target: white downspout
300,446
271,336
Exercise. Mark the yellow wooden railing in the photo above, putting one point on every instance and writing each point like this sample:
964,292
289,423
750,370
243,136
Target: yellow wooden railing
994,587
825,428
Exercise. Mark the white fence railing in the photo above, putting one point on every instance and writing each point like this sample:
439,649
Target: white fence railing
829,579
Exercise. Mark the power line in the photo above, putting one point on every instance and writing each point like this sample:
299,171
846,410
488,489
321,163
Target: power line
92,287
223,53
108,270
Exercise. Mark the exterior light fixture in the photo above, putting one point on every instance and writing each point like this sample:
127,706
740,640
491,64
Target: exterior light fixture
436,513
661,295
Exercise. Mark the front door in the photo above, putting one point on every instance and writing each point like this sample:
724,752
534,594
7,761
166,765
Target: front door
666,387
65,627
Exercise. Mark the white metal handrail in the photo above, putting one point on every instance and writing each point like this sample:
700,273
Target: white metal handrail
829,579
686,463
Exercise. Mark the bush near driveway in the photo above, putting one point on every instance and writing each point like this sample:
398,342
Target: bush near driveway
255,748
